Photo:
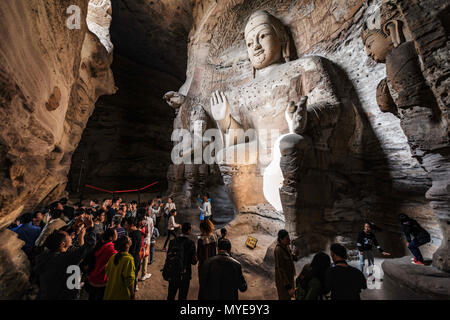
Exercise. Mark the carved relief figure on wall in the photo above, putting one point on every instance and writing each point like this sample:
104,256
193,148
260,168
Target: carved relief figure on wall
404,92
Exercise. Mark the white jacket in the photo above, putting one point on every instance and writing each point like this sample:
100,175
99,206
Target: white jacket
150,228
169,206
172,223
206,210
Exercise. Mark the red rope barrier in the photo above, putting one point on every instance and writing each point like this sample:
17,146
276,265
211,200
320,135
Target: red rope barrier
120,191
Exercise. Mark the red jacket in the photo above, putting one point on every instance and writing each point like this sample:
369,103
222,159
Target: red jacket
97,277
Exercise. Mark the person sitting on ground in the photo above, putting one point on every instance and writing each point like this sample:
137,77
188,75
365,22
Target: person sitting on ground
52,265
411,227
102,253
120,273
365,242
171,227
221,277
344,281
206,244
310,284
56,222
131,225
284,266
30,231
184,248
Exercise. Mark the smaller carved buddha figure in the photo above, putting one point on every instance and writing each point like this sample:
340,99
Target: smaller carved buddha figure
404,92
189,177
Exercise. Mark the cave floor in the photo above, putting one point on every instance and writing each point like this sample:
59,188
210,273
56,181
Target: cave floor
260,284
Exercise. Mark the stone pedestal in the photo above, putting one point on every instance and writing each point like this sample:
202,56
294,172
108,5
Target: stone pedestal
411,281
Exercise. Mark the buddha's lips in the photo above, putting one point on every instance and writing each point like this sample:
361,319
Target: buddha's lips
258,53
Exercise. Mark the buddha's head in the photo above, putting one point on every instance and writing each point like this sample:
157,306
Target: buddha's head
267,40
377,43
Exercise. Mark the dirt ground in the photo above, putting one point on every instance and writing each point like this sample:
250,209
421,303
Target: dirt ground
155,288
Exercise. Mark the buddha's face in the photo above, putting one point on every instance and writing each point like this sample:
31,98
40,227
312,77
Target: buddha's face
378,46
264,46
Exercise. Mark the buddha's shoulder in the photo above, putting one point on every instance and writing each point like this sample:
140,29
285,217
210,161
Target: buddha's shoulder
307,63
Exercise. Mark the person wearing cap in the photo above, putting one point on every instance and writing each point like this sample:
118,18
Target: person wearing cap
221,277
344,282
411,227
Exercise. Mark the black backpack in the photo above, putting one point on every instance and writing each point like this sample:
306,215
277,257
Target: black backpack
174,266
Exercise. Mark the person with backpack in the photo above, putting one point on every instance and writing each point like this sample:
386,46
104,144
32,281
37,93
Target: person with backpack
411,227
171,227
181,256
120,273
310,284
102,253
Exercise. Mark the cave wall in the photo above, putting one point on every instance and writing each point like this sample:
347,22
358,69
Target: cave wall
126,143
50,77
150,50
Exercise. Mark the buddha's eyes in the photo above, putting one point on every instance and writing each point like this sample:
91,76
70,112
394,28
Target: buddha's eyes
250,44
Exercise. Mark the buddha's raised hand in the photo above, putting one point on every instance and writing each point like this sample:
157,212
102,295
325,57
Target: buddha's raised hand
220,108
296,116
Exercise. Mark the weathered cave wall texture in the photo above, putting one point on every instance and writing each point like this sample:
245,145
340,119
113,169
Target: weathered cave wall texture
381,176
133,126
50,79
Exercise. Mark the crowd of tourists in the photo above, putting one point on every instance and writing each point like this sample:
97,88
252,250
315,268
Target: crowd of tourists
109,246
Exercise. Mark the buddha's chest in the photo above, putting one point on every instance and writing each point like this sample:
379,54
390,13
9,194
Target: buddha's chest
261,104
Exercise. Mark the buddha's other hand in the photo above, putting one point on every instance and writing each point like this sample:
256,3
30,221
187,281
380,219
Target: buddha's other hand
296,116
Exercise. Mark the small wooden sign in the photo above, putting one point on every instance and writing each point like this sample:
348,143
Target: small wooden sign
251,242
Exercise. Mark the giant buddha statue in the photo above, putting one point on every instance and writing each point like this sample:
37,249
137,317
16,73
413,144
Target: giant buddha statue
298,98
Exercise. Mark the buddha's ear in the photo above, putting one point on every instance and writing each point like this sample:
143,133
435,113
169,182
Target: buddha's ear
254,72
394,29
286,51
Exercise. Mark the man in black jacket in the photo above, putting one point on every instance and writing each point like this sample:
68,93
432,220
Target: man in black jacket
189,254
222,276
411,227
52,266
344,281
366,241
136,242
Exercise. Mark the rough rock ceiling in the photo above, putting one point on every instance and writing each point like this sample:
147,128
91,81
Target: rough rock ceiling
153,33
